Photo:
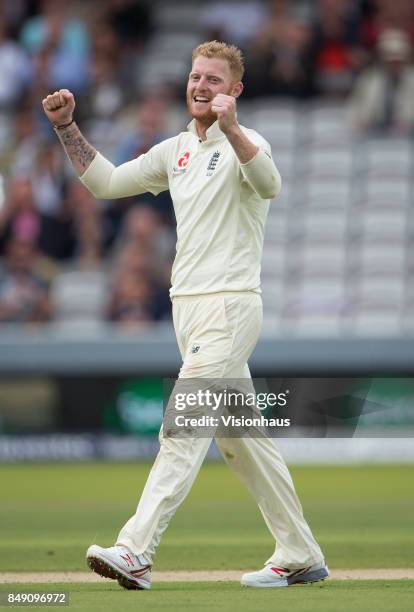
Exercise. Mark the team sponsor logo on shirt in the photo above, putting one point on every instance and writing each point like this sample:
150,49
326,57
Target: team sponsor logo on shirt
212,164
182,164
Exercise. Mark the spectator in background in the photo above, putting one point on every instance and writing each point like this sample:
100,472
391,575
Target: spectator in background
147,130
279,59
141,127
48,176
87,225
62,41
16,12
136,295
384,15
14,69
143,225
382,100
131,21
57,234
104,40
106,96
62,219
143,267
132,257
233,21
19,217
19,152
24,294
108,89
336,50
130,301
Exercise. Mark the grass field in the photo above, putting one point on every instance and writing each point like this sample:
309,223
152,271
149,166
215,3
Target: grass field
362,516
355,596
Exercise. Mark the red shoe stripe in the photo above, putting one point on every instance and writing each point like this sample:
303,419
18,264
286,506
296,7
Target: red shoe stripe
139,572
128,559
279,570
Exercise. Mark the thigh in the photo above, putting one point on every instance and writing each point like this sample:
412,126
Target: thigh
244,316
220,333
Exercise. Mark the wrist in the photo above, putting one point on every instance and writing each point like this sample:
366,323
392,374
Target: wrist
233,130
62,126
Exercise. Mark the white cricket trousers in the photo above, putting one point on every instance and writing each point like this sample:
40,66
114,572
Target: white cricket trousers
225,327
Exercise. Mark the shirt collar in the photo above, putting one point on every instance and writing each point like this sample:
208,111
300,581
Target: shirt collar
213,132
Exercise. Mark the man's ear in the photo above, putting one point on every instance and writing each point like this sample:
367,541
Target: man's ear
237,89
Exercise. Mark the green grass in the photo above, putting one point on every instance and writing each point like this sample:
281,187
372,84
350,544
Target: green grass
50,513
333,596
362,516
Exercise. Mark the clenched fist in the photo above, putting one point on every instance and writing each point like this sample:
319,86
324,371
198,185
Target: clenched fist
225,108
59,107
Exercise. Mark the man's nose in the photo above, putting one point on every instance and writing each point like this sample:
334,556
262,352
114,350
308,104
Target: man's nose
202,83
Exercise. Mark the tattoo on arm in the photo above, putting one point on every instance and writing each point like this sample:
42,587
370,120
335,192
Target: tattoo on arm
78,149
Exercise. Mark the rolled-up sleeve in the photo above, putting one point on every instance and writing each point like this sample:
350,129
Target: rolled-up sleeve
147,172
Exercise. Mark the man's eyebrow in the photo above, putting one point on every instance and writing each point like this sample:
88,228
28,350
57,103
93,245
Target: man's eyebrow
209,75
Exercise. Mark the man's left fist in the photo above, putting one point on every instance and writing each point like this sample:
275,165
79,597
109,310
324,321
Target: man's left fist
225,108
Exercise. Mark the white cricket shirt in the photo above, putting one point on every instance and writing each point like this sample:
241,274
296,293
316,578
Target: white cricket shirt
220,205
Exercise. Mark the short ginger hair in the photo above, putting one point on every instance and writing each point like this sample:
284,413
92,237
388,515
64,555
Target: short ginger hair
221,50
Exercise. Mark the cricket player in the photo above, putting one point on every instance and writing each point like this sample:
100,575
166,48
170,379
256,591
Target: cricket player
221,177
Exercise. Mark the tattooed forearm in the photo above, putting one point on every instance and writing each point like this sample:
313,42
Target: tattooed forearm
78,149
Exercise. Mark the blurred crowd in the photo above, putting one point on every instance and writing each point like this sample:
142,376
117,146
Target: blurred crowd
304,48
358,51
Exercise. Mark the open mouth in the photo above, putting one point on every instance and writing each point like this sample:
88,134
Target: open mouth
201,99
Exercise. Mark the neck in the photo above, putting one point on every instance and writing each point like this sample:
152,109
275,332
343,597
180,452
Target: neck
202,128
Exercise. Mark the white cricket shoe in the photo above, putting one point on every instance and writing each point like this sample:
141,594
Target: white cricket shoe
272,576
119,563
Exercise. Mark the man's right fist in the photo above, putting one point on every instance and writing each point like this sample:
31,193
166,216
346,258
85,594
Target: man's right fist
59,107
